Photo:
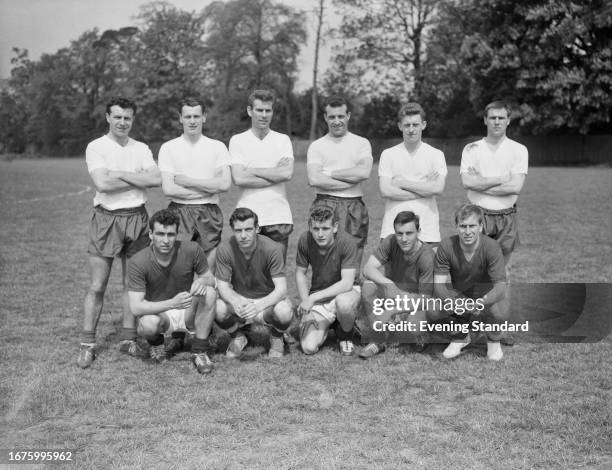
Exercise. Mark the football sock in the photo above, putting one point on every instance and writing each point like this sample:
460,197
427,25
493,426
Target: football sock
202,346
127,334
159,339
88,337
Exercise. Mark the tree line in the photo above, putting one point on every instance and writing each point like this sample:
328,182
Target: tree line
552,60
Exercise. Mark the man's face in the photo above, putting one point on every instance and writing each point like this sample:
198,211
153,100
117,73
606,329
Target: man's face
469,230
192,119
120,121
163,237
261,114
246,233
337,119
412,128
497,121
323,232
406,236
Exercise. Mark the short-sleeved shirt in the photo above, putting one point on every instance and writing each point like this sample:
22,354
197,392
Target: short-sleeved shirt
327,264
269,203
200,160
159,282
411,273
251,278
334,153
476,277
509,157
135,156
397,161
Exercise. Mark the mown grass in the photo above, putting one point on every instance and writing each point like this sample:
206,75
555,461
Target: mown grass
545,406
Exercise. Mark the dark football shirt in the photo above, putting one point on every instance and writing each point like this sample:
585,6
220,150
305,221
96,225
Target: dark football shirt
159,283
251,278
476,277
411,273
327,264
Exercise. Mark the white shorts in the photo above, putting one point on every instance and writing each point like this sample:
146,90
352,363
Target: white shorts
176,319
327,311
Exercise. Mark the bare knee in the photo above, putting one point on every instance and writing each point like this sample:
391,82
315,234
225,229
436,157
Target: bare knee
499,311
310,345
148,326
223,314
283,312
346,305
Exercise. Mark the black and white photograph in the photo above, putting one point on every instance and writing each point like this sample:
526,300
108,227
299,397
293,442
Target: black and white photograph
306,234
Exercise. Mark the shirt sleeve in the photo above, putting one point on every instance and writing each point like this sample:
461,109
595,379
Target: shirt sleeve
146,157
235,151
384,165
276,264
223,266
425,268
301,258
200,262
137,281
383,252
94,159
468,157
287,147
165,159
349,259
521,160
442,261
495,262
223,156
365,150
313,155
440,163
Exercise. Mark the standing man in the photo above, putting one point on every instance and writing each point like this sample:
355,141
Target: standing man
252,285
407,264
493,171
470,265
121,169
411,174
337,163
171,289
195,169
262,160
333,297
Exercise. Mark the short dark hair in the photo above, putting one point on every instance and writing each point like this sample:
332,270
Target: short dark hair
498,104
165,217
267,96
121,102
466,210
191,101
405,217
241,214
321,213
335,101
410,109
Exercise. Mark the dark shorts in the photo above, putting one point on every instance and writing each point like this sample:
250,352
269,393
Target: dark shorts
201,223
502,226
277,232
352,215
123,232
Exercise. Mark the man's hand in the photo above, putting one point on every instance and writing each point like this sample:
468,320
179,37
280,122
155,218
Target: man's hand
182,300
285,161
431,176
198,287
305,306
246,310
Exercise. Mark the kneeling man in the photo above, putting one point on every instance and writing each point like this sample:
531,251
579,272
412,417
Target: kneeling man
252,285
408,274
170,291
470,265
333,296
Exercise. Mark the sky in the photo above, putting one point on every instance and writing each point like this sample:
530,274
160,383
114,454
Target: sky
44,26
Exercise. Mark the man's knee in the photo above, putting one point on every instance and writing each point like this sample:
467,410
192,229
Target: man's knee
223,314
346,303
311,341
499,311
283,312
209,297
148,326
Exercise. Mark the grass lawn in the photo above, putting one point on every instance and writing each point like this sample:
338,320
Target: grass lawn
545,406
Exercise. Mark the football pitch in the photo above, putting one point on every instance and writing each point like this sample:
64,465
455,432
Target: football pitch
544,406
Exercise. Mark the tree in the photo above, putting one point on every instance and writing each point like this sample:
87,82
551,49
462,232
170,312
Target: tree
320,15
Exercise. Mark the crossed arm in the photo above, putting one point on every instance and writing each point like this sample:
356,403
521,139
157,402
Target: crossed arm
443,289
248,308
339,179
140,306
183,186
114,181
404,189
504,185
258,177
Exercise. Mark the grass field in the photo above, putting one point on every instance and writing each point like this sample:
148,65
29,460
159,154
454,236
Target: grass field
545,406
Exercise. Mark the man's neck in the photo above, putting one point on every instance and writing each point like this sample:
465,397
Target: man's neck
337,138
469,249
412,147
121,141
494,140
192,139
163,259
248,252
417,246
260,133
